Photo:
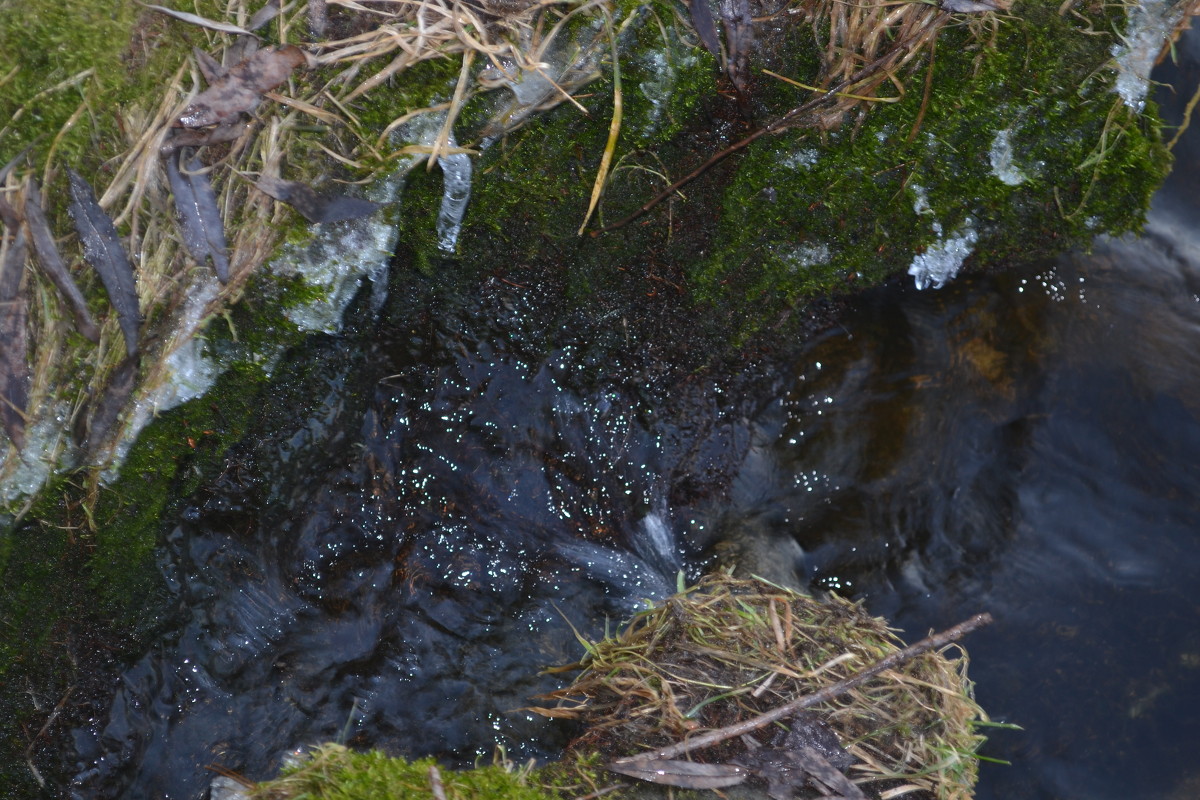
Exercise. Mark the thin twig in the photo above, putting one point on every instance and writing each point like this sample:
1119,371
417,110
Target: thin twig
934,642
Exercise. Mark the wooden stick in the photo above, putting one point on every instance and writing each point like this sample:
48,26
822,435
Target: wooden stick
934,642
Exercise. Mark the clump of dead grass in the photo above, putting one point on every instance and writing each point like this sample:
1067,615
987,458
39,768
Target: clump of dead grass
730,649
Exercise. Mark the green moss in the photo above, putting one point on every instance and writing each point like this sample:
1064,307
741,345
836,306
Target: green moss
807,215
802,214
46,43
334,773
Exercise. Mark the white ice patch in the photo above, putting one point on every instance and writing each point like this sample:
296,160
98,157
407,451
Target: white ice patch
190,373
1002,160
803,158
942,260
920,199
1149,24
809,254
44,443
456,192
336,258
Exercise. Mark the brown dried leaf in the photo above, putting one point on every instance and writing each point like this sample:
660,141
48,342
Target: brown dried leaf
199,217
14,351
242,87
55,268
102,249
685,774
314,207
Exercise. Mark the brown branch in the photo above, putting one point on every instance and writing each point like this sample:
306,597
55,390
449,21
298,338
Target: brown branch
934,642
777,125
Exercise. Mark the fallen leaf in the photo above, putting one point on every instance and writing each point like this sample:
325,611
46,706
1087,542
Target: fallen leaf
102,249
242,87
14,351
685,774
705,25
108,406
210,68
199,216
195,19
200,137
55,268
314,207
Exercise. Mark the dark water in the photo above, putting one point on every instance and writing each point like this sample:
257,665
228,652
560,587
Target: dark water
393,566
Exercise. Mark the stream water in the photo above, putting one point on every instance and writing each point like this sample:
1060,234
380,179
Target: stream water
459,491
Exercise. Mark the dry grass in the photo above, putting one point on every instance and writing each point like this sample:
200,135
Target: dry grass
730,649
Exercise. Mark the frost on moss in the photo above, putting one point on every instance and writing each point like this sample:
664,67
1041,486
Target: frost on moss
1019,137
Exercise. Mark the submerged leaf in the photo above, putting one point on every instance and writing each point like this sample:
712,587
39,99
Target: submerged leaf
241,87
14,361
686,774
314,207
102,249
196,19
55,268
199,215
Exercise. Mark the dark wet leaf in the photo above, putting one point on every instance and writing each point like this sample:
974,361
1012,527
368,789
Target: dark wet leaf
685,774
808,752
242,87
107,407
54,267
195,19
14,352
199,137
314,207
705,25
199,215
102,249
739,41
210,68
